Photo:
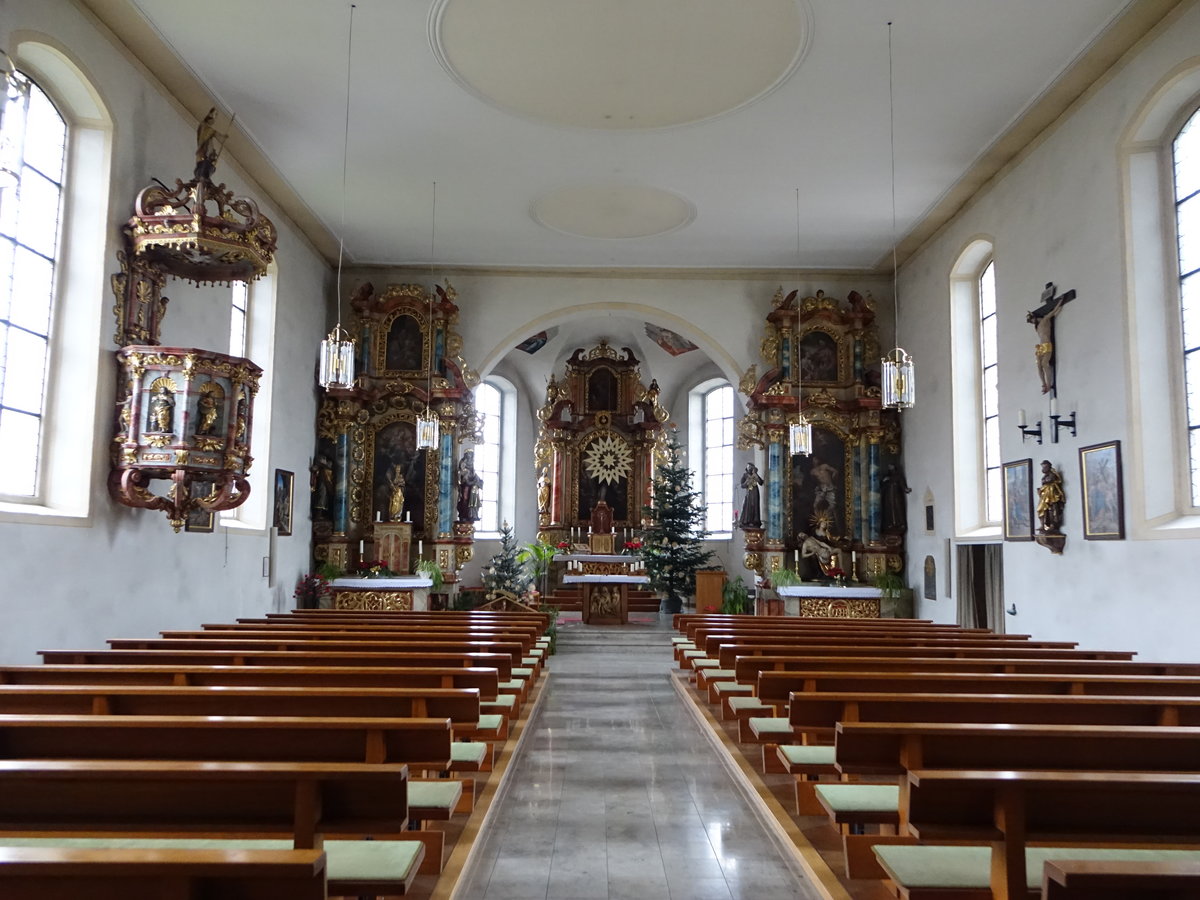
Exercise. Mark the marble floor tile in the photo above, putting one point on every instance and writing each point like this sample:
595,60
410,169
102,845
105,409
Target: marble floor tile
616,793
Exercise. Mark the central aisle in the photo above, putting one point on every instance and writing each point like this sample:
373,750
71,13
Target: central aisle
617,793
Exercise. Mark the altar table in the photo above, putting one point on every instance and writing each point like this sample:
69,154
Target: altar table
399,592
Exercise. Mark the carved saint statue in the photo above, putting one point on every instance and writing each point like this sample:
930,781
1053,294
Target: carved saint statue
396,484
469,483
1042,319
543,493
751,516
206,406
209,142
162,409
1051,499
895,503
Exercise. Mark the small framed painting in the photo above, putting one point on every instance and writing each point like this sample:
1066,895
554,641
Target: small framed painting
1018,500
282,519
1103,492
199,520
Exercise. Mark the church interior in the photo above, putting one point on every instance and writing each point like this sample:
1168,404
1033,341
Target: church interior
401,284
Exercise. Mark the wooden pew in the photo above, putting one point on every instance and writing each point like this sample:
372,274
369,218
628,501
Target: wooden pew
424,745
427,708
501,662
1077,879
303,805
44,873
877,749
284,642
1011,809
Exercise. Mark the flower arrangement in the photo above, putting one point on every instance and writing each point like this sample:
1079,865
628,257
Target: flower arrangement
632,546
835,572
563,545
310,591
374,569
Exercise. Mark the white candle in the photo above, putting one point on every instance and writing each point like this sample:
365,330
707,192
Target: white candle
1021,417
1054,406
853,558
361,548
408,517
378,517
796,556
420,547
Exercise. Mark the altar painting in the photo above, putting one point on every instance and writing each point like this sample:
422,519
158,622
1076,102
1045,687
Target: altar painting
818,487
398,483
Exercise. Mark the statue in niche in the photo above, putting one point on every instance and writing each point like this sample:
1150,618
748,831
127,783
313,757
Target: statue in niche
814,550
207,411
751,516
1051,500
162,407
469,484
895,502
322,486
543,492
396,457
396,484
405,345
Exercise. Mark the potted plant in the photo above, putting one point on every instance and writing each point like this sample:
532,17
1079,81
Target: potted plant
890,585
736,597
311,590
672,543
431,570
536,557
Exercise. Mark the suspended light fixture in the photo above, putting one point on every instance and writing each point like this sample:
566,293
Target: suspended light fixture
337,350
14,102
800,431
898,373
427,423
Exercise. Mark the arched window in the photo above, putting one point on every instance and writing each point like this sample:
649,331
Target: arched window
34,138
711,407
495,459
1160,153
1186,159
53,288
976,421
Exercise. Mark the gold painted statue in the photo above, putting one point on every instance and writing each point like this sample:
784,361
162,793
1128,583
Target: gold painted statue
162,409
207,407
395,479
1051,500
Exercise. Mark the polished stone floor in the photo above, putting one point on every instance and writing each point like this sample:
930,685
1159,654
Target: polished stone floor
617,793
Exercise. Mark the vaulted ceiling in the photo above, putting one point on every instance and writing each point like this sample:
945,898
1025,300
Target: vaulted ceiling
625,133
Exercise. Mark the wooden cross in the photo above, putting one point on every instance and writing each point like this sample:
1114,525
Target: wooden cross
1042,320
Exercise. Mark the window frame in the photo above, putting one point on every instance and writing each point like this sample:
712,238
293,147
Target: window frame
1185,426
506,476
698,405
69,460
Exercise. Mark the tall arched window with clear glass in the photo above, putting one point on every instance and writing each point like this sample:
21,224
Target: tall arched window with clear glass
1186,158
33,142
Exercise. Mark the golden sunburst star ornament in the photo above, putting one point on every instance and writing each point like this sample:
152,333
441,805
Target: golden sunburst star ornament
608,459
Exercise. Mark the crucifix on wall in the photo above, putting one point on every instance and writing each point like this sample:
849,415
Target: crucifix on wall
1042,320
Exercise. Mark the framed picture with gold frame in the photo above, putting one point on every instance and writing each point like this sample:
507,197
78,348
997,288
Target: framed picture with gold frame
1103,492
1018,500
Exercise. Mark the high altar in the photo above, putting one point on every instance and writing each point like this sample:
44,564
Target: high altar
378,495
600,431
845,499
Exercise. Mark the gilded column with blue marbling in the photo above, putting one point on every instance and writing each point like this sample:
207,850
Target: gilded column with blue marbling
774,492
446,492
875,498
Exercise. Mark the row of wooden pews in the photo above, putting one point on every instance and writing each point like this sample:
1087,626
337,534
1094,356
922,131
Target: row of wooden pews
300,755
957,763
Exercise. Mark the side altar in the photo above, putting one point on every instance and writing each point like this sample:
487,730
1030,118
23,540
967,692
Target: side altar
605,578
842,602
399,593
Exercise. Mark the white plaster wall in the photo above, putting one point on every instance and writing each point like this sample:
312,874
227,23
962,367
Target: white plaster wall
1056,215
124,572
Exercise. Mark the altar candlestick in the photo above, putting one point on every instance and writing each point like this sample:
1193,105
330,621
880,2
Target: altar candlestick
853,561
378,517
408,517
420,547
1054,406
796,557
1021,418
361,549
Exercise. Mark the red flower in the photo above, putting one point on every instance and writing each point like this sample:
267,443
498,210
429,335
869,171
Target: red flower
564,545
835,572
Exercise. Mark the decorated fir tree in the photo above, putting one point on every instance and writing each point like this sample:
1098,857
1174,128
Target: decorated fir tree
506,572
672,544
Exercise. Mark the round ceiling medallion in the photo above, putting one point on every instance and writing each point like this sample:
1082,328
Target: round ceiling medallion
612,211
620,63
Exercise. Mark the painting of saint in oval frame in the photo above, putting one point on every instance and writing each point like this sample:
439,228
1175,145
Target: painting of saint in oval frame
1018,500
1103,493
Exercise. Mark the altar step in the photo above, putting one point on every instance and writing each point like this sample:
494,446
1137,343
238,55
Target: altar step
570,599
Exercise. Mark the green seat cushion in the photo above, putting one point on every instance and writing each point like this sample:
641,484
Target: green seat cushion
505,701
543,642
512,685
530,660
859,797
434,794
802,755
680,640
705,663
733,687
770,725
692,654
519,673
537,652
710,674
969,867
744,703
384,861
468,752
490,722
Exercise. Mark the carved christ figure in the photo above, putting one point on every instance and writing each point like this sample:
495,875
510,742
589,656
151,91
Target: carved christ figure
1042,319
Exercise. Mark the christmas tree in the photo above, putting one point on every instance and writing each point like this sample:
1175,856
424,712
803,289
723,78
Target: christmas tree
672,544
506,572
